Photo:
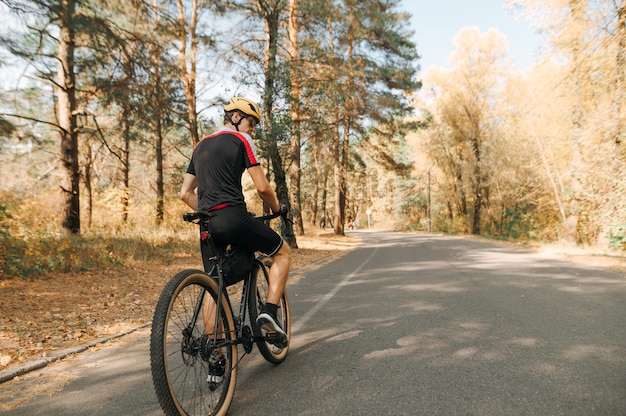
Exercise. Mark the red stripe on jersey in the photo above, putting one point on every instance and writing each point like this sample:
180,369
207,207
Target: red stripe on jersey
246,144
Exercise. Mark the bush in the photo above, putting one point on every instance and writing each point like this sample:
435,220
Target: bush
10,247
617,238
23,258
27,250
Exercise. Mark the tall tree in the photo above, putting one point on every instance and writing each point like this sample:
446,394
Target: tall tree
373,89
188,37
620,74
66,98
113,71
588,39
296,138
464,103
70,20
164,96
271,12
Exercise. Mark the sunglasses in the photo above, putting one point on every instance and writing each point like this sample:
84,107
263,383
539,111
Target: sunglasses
251,120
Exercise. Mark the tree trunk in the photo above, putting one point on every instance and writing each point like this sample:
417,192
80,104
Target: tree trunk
324,218
158,133
66,96
570,228
338,181
125,162
345,160
553,183
314,203
478,187
620,77
462,198
295,169
316,186
87,180
188,75
271,18
157,127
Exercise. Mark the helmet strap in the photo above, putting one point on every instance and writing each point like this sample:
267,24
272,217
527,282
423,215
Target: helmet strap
230,120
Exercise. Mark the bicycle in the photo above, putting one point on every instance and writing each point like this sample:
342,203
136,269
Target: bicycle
188,335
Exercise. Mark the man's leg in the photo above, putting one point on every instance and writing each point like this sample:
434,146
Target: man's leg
208,315
279,272
267,319
217,362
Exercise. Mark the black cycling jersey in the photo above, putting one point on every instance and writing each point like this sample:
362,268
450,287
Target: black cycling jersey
219,182
218,162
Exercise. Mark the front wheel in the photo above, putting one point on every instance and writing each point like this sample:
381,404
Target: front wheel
183,342
259,283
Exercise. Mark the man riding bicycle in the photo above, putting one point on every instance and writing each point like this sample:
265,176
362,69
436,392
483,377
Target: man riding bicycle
213,183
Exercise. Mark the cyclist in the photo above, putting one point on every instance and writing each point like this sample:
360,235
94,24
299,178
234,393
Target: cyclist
213,183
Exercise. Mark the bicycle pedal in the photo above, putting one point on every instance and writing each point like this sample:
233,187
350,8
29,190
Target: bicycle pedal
275,339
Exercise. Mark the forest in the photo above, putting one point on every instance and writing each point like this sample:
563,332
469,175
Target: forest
110,97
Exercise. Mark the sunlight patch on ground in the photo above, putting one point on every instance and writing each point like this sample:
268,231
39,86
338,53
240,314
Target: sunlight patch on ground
21,389
420,306
466,352
524,342
345,336
430,287
407,346
328,241
583,352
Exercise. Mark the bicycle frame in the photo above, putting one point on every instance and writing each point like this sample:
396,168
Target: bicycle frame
212,266
211,263
189,304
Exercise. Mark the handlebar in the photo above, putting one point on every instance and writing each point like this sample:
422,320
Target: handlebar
272,216
204,215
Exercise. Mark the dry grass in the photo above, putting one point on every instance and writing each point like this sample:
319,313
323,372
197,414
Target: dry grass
603,258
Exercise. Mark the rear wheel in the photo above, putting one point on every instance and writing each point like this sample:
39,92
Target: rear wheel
259,282
180,349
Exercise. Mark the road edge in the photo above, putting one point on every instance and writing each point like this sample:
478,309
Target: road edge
36,364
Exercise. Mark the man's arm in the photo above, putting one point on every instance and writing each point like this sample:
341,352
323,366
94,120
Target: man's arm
263,187
188,191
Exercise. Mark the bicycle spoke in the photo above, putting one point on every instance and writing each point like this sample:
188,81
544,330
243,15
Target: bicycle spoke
180,349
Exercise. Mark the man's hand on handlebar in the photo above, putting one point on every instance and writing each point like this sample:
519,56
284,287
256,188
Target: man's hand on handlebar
284,211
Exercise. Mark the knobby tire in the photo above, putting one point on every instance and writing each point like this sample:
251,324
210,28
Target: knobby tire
179,363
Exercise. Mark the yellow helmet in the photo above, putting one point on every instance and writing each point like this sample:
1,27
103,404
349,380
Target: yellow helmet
245,106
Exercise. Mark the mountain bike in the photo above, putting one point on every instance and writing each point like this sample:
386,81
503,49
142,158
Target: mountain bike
195,324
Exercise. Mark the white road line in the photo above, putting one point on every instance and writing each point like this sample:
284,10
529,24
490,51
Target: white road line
304,318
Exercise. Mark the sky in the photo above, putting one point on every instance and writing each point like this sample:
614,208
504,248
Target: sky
437,22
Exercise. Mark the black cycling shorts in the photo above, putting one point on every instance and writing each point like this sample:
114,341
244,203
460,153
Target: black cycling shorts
236,226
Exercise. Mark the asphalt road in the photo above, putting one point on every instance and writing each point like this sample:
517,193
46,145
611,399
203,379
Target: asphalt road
407,324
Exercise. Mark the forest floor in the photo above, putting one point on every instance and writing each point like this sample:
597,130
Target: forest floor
53,312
